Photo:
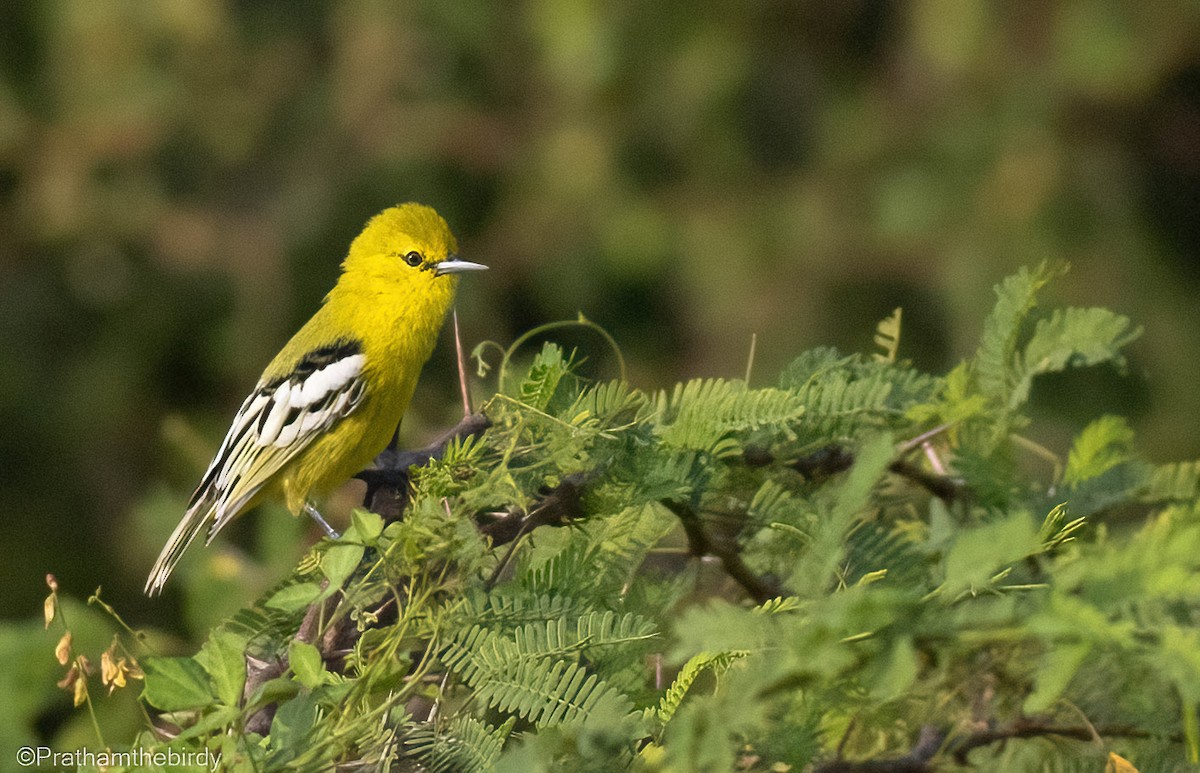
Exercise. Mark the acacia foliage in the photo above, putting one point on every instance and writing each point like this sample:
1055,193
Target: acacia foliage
882,560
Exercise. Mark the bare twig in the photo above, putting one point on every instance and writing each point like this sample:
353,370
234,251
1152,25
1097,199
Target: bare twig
945,487
259,671
462,368
962,746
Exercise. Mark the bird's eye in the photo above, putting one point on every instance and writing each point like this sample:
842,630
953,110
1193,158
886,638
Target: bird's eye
413,259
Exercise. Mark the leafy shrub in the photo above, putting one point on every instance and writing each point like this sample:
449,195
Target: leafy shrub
854,564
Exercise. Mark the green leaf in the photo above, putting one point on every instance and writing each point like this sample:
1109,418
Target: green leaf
547,370
338,562
220,719
957,403
672,699
701,413
305,662
719,626
294,597
292,723
1177,481
887,336
549,692
1056,669
466,745
707,732
175,684
223,657
365,526
275,690
1101,445
898,670
813,576
869,466
978,554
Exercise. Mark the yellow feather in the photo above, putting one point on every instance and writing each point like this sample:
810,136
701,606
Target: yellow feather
387,310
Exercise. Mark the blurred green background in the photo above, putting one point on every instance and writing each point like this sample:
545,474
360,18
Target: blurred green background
179,180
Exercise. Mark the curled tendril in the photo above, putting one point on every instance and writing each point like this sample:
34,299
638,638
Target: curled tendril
482,367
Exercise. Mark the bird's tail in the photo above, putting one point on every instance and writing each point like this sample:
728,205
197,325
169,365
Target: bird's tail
198,516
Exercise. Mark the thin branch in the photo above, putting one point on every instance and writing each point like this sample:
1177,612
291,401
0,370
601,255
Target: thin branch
945,487
962,746
832,459
934,742
916,761
462,368
387,480
760,589
750,356
558,506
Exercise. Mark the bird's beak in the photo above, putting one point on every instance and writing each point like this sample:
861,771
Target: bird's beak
453,265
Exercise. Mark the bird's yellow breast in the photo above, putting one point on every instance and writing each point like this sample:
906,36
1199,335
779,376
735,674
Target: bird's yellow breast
404,321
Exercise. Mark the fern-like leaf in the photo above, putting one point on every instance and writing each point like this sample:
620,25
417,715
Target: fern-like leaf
1071,337
994,360
600,554
595,629
508,609
1102,445
541,383
547,691
672,699
887,337
875,547
466,745
1176,482
701,413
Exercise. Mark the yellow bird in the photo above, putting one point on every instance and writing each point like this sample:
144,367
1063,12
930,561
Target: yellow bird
331,399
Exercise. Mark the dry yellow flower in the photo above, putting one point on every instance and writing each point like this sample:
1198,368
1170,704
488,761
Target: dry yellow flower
108,668
115,671
63,651
68,680
80,692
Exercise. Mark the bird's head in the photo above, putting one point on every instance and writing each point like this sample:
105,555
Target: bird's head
410,248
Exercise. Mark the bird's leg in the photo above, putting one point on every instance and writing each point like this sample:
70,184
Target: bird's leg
315,514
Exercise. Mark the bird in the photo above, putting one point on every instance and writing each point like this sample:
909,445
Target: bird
333,397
